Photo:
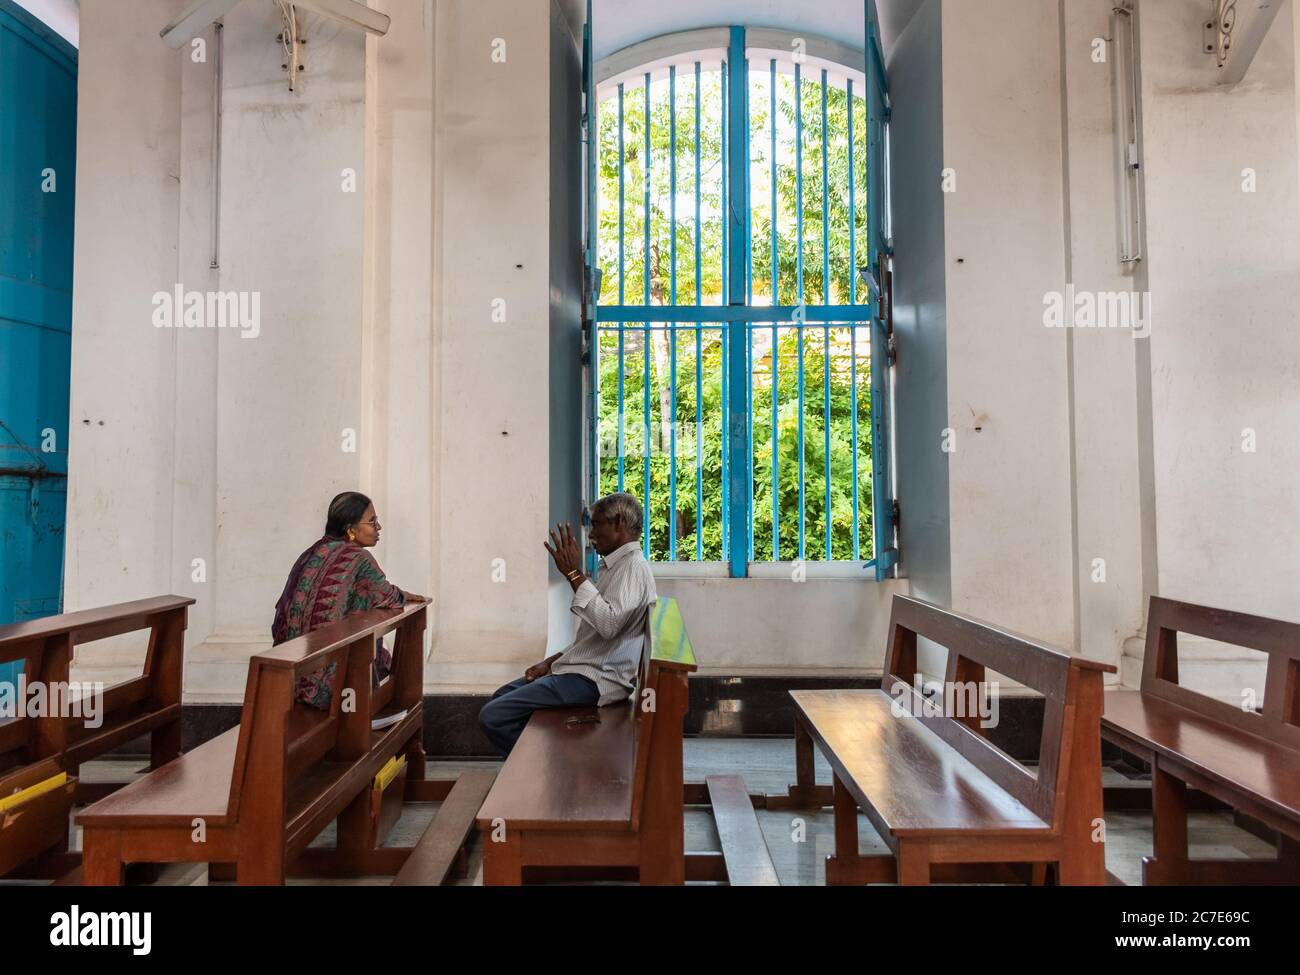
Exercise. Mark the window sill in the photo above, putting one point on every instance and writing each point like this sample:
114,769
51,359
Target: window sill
784,571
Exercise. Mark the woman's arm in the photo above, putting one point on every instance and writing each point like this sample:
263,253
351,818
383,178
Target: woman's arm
371,588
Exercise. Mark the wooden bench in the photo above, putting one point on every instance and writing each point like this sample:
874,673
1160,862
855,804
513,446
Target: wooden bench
1247,759
592,788
936,790
258,795
34,749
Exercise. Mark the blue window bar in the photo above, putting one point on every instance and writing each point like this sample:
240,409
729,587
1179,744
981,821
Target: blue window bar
709,411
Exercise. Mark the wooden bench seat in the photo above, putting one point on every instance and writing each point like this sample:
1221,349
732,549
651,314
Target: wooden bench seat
1234,760
577,794
948,803
259,794
564,776
1246,759
914,782
195,785
32,747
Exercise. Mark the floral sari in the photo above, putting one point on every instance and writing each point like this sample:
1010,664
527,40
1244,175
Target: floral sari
331,580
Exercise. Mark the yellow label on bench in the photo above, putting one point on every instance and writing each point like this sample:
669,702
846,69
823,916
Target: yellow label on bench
32,791
390,771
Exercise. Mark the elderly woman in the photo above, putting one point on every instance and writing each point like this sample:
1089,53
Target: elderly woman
334,578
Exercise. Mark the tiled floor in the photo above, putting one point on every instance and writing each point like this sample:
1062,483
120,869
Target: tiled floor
798,841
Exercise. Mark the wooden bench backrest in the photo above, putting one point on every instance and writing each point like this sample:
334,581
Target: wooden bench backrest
667,653
1280,640
280,740
973,647
45,647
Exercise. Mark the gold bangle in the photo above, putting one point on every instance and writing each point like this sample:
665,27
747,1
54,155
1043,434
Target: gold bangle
572,575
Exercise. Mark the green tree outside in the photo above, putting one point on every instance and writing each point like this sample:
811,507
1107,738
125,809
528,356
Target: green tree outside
836,361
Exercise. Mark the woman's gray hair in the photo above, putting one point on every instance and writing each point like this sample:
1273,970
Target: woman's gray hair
622,509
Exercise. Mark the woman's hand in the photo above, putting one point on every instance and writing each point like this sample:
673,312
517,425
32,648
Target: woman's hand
566,554
414,598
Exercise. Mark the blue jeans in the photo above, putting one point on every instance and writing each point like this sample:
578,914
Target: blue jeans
503,717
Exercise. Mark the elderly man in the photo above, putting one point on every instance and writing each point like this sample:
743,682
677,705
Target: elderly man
599,667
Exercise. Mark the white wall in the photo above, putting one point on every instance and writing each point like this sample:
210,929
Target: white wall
826,627
376,317
398,341
1009,476
289,231
1094,445
123,418
492,149
1225,346
1106,415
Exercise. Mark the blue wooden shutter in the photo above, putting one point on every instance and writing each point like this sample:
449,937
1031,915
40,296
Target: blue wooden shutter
884,522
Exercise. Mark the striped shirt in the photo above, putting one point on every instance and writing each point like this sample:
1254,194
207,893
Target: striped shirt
611,624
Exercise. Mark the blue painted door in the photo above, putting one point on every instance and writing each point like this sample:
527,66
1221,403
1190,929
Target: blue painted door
38,127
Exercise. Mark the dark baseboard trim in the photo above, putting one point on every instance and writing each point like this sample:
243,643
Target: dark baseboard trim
719,707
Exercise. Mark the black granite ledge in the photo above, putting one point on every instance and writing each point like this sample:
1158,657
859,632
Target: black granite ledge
733,707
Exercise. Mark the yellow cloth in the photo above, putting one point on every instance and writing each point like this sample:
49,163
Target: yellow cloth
32,791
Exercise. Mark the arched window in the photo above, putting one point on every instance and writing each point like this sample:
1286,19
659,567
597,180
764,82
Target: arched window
740,248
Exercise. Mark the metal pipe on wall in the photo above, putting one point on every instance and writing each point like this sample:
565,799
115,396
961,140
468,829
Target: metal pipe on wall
217,84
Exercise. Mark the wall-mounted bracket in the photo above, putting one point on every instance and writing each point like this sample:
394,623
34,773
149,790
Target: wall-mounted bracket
1233,32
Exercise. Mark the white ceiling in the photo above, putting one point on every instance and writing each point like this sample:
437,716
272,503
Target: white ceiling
619,23
623,22
61,16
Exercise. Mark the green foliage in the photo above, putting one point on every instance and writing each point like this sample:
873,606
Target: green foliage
659,368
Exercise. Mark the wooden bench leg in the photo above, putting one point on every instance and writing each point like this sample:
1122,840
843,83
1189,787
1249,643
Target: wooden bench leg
503,864
913,864
1083,867
101,859
356,830
847,865
415,758
260,869
1170,869
661,864
661,840
1288,851
1168,827
804,793
165,744
1082,863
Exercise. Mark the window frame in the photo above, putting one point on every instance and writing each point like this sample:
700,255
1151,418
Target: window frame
732,46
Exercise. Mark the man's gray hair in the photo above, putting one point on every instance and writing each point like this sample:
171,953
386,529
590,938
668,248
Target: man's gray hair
622,509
